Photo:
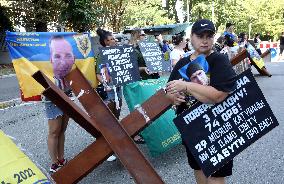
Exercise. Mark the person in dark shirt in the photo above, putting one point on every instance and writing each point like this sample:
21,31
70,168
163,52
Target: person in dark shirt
145,74
222,82
106,39
256,42
281,44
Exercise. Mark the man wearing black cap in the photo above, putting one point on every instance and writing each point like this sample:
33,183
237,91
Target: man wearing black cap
196,74
222,82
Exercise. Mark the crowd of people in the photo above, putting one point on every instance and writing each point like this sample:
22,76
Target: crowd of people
194,80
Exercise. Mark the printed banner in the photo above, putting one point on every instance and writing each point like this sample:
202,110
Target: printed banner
255,56
120,63
215,134
153,57
31,51
16,167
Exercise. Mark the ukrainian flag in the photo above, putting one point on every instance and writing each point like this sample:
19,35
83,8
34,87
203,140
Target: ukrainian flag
30,52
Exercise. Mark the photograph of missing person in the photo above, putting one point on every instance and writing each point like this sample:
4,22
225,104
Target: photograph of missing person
195,71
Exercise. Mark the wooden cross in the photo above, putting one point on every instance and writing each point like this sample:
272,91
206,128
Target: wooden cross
100,122
239,57
244,54
111,136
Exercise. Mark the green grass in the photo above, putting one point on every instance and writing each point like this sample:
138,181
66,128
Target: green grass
6,69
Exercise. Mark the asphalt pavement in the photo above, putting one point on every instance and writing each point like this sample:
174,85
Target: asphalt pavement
261,163
9,88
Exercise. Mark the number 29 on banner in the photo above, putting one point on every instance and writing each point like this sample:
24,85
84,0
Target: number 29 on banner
200,146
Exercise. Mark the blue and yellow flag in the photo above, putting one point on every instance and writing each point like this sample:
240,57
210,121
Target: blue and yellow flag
30,52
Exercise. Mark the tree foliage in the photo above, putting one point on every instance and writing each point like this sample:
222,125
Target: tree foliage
145,13
264,16
79,15
35,14
5,23
110,13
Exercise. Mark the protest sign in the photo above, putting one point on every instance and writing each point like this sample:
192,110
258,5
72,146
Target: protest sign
153,57
121,63
216,133
30,52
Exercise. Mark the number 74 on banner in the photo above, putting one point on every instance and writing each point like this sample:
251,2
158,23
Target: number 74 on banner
208,123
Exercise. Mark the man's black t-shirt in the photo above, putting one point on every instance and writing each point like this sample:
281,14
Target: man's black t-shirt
221,74
281,40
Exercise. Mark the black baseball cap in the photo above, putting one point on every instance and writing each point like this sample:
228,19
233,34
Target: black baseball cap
202,25
229,24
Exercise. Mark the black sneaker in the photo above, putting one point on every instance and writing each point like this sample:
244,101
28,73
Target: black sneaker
54,167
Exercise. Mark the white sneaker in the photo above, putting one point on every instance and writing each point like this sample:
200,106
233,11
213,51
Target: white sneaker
111,158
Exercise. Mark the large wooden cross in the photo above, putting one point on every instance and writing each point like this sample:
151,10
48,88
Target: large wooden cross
111,136
244,54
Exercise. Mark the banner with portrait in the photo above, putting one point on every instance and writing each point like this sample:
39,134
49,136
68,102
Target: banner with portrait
30,52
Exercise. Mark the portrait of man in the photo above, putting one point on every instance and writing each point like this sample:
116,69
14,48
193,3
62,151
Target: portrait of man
196,74
61,56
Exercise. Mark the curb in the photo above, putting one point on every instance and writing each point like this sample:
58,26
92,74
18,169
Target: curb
10,103
6,76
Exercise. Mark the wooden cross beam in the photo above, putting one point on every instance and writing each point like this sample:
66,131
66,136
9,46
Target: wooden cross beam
101,118
244,54
263,55
239,57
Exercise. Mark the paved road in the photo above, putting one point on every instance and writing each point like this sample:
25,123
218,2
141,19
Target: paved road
9,88
261,163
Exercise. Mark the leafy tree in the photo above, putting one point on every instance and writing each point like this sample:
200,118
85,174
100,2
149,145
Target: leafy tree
264,16
117,14
110,12
145,13
35,14
79,15
5,23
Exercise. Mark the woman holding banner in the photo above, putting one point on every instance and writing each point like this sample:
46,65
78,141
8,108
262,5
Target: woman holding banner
114,94
62,60
222,82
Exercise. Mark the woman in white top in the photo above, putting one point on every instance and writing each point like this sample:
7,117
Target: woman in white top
178,51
